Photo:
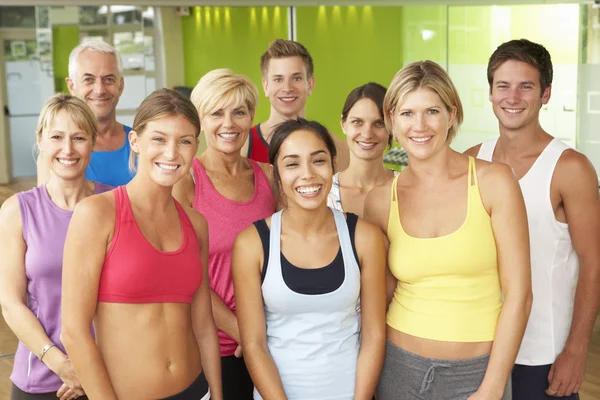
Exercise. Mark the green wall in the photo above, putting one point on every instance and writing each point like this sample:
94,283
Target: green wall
231,37
350,46
64,40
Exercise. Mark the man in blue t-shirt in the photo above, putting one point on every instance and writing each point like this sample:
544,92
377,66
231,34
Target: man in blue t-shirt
96,77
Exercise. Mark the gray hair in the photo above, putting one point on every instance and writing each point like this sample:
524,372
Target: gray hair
93,45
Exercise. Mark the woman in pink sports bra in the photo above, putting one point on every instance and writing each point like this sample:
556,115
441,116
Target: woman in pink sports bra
231,192
135,264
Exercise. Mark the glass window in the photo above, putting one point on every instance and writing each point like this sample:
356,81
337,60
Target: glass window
17,17
126,15
19,50
93,34
131,47
149,53
42,17
148,16
92,15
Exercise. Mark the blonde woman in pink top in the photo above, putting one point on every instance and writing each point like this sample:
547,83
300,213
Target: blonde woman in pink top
231,192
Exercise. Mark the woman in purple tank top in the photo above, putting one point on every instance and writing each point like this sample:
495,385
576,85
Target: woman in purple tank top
33,226
231,192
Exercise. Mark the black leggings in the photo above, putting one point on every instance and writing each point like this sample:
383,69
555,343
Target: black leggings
196,391
18,394
237,384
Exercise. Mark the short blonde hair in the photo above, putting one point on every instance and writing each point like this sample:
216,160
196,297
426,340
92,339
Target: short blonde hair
423,75
220,88
160,104
77,110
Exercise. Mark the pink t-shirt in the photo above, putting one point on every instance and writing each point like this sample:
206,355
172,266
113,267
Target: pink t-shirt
226,219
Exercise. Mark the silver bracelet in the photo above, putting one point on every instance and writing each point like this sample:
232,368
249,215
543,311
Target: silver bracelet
45,350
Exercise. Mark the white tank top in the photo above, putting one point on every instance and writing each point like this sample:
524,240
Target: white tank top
313,339
554,263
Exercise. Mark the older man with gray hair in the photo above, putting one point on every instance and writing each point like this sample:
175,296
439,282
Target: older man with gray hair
96,77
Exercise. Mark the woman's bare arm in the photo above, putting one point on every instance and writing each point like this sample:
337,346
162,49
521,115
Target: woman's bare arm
202,318
500,190
89,234
246,267
371,251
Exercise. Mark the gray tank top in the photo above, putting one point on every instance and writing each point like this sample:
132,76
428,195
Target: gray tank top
313,339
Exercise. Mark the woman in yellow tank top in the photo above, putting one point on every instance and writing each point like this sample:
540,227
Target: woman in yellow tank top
459,285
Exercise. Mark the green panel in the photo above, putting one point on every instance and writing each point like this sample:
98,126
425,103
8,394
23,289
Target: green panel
470,34
424,33
64,40
350,46
231,37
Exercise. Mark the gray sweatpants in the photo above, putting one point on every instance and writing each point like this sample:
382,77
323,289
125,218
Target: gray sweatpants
407,376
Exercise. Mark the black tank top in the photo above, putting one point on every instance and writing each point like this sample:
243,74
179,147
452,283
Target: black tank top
309,281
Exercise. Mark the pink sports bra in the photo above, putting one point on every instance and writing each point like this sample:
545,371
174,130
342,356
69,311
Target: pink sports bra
135,271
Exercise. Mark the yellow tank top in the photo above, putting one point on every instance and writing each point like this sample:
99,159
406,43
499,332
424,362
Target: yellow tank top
448,287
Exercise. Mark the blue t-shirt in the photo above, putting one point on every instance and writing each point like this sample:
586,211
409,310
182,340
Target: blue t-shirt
111,167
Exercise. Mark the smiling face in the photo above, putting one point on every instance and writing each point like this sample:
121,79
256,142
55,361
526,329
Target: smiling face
97,82
365,130
226,129
516,95
67,145
421,122
165,149
305,170
287,86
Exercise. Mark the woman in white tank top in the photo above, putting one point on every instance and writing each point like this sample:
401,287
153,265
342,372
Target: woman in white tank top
303,333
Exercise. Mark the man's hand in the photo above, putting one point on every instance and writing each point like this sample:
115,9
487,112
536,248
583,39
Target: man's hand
567,373
238,351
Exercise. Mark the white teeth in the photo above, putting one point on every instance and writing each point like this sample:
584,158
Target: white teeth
420,139
167,166
66,162
366,145
288,98
512,111
228,136
308,189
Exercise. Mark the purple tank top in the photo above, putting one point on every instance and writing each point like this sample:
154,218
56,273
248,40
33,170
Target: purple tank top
44,231
226,218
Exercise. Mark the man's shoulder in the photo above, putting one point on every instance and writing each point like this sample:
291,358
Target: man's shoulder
573,172
573,162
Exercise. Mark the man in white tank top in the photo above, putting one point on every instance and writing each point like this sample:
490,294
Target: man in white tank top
560,188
